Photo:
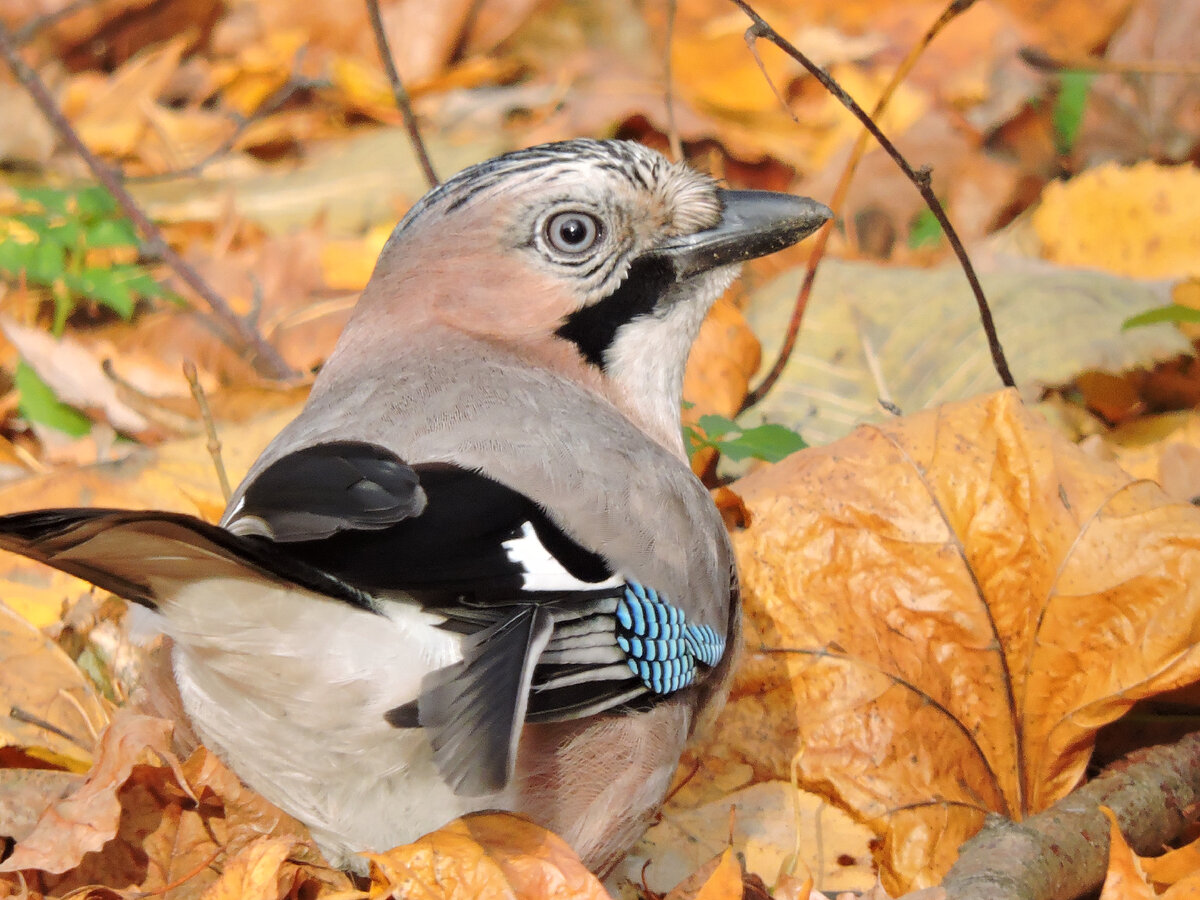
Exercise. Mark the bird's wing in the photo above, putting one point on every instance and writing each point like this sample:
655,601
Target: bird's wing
543,618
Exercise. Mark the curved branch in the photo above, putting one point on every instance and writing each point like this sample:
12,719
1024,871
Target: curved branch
264,357
921,178
402,100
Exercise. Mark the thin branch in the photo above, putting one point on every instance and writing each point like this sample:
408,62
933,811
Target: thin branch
30,29
956,8
292,87
1044,62
265,357
669,97
210,427
920,178
398,91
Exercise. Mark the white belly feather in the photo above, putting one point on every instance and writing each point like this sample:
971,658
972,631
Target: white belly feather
292,694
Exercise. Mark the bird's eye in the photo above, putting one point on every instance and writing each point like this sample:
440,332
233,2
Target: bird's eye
572,232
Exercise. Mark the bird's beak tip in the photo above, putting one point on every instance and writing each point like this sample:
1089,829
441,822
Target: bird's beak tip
753,224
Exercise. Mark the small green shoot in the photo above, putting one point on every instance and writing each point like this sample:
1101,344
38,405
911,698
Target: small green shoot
38,404
74,244
768,442
1067,114
1173,313
925,230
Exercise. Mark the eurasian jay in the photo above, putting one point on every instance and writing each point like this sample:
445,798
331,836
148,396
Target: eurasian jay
476,571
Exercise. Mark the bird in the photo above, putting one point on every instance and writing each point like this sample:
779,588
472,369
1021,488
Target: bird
476,571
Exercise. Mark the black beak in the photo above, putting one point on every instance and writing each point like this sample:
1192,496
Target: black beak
753,224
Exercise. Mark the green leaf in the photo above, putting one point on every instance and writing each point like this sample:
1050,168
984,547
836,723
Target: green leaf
769,442
47,261
92,203
715,426
16,257
139,281
1172,313
52,200
38,404
925,230
39,224
68,233
1068,108
106,287
111,233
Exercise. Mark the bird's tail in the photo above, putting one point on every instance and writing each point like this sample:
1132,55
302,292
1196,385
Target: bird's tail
144,556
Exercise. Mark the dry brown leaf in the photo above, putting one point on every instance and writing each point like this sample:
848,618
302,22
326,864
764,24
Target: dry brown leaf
87,820
110,113
720,879
143,821
1137,220
1125,879
941,613
38,681
1069,27
77,378
25,794
494,855
255,873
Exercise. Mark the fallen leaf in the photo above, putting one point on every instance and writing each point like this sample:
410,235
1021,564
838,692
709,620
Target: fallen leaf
913,336
940,612
49,709
77,378
1138,220
1071,27
721,880
109,113
87,820
1130,115
484,855
255,873
25,794
1125,879
772,827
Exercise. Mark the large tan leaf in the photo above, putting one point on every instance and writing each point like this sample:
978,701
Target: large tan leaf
913,336
1130,220
943,611
48,709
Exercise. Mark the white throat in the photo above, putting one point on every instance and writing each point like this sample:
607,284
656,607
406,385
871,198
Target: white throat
647,359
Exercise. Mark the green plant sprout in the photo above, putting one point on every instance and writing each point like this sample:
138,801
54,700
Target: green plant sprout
74,244
769,442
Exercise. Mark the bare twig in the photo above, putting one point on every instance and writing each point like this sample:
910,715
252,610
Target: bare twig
669,86
293,86
20,715
210,427
30,29
1044,62
955,8
398,91
265,357
920,178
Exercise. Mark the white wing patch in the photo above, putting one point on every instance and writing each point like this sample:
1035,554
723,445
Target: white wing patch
542,572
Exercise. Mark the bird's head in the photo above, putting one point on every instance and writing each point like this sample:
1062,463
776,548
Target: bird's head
603,252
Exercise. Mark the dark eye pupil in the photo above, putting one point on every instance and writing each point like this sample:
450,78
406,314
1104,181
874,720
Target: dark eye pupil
573,231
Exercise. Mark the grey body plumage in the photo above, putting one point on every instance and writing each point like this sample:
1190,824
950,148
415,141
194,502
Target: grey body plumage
476,570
